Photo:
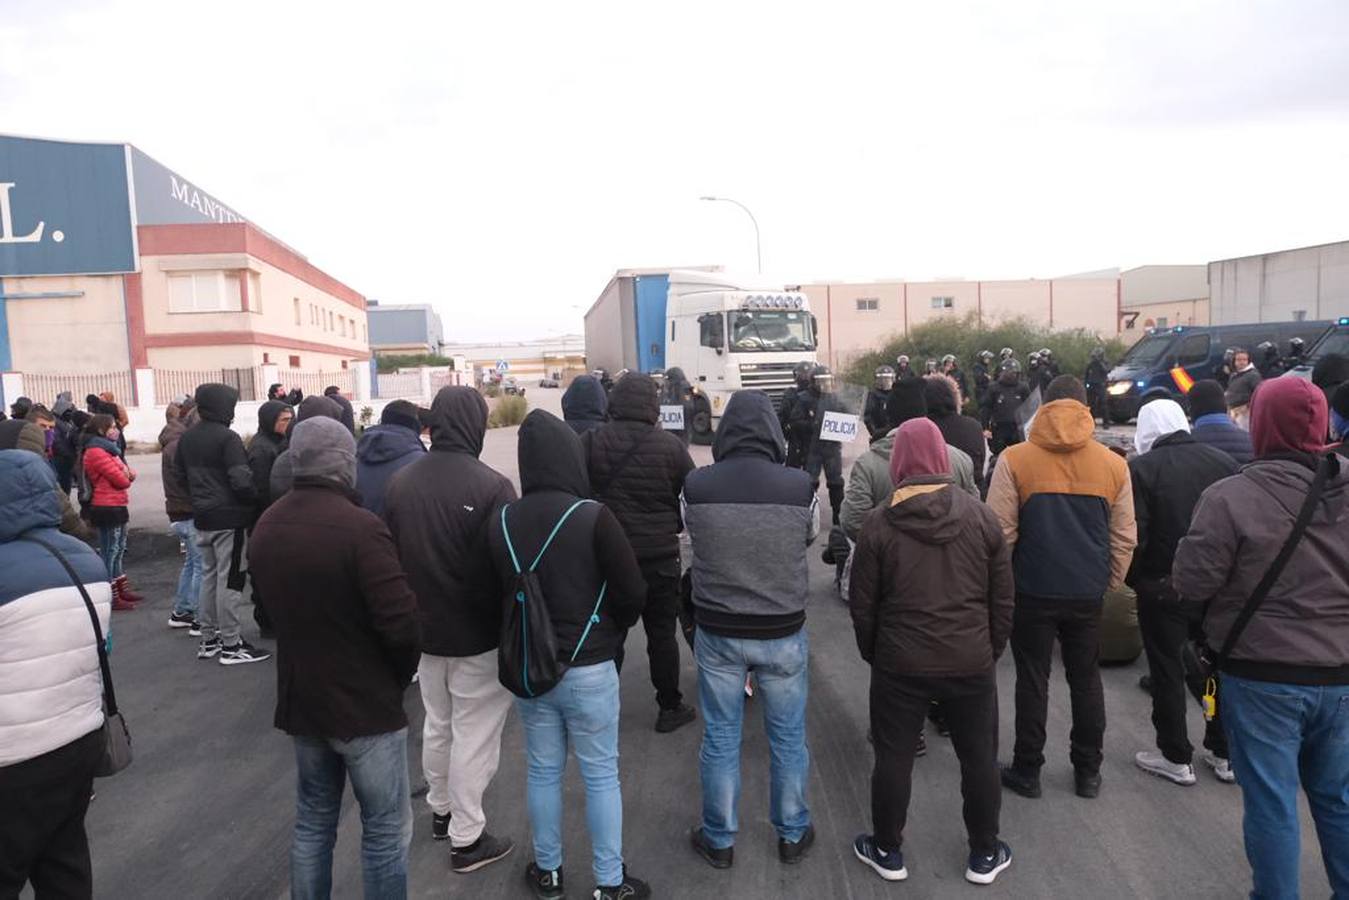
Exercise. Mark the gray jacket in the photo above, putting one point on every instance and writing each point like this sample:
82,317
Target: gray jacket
869,483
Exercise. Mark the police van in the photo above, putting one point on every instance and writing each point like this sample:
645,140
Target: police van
1336,340
1168,360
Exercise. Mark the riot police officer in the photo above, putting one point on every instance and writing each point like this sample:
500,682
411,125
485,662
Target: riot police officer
1267,360
950,367
1297,354
1004,401
797,415
930,367
983,379
1095,380
873,414
1005,354
1227,368
1049,369
902,367
823,455
676,391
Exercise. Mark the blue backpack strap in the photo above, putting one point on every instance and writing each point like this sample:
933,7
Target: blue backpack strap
556,528
507,534
592,622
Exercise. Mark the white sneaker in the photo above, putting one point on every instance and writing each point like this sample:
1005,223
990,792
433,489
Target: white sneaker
1221,767
1153,761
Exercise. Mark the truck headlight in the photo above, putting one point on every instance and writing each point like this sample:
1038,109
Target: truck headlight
1120,388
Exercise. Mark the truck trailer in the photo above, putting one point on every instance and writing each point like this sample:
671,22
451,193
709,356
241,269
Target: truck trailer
726,333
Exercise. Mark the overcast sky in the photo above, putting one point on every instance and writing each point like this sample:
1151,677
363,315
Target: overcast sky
501,160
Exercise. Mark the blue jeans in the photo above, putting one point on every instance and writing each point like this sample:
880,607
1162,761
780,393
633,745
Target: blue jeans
583,708
779,668
189,580
112,547
378,769
1280,736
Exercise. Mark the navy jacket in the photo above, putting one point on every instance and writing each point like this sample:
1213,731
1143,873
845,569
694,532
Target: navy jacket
382,452
1217,430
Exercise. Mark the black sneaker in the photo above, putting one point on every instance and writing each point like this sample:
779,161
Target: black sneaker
673,719
716,858
194,630
1027,785
546,883
182,620
986,869
208,648
440,827
922,745
792,852
630,889
242,653
482,852
889,866
1087,783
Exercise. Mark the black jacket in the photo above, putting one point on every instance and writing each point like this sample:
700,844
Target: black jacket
310,407
1096,374
584,404
177,500
438,509
797,416
590,551
212,462
637,470
267,445
873,413
1167,483
962,432
1003,401
348,418
345,619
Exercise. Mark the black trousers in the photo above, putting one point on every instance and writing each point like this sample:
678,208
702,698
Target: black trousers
899,704
660,618
1100,408
1005,434
828,460
42,838
1166,626
1076,626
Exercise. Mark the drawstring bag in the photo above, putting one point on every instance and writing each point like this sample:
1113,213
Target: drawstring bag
527,657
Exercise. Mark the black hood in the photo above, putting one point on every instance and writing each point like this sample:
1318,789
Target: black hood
458,420
940,397
385,443
584,400
676,382
635,398
268,413
551,458
750,427
312,408
215,402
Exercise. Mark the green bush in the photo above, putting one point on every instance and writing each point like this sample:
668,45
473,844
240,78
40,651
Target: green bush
392,362
965,338
491,390
508,411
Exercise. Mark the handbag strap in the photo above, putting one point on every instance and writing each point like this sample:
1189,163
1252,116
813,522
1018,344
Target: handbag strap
109,695
1262,589
515,561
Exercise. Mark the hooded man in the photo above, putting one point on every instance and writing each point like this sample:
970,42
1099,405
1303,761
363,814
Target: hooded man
310,407
957,430
1067,510
385,449
347,647
274,418
212,462
637,470
1213,426
750,520
1284,684
65,447
334,393
178,507
584,404
1168,475
438,509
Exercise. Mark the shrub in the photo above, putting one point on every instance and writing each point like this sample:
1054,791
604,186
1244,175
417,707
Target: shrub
491,390
508,411
392,362
367,414
965,338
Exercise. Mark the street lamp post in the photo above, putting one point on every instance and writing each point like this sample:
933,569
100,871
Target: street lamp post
758,250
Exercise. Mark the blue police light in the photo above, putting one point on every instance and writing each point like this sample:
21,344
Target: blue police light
1179,329
1344,320
1141,383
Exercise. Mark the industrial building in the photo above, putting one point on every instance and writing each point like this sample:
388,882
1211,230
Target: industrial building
1287,285
114,267
404,328
560,357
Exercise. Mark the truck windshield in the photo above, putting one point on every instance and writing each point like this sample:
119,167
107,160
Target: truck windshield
771,330
1148,351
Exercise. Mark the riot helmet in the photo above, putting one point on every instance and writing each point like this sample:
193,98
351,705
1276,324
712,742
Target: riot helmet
1007,353
885,378
948,360
903,362
801,372
1098,353
985,356
822,380
930,367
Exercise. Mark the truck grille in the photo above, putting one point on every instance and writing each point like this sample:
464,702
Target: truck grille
772,378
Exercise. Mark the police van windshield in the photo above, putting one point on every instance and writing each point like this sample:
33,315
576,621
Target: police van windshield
771,330
1335,342
1147,352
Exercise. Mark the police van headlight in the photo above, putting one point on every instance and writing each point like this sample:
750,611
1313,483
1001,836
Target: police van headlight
1120,388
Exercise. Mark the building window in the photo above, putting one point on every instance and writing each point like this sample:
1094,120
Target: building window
297,311
204,292
295,362
943,302
1161,321
254,292
342,325
330,320
266,358
868,304
344,363
364,339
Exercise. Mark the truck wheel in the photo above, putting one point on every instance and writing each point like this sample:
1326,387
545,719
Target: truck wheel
701,433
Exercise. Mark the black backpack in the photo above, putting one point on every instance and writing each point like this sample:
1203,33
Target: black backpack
527,663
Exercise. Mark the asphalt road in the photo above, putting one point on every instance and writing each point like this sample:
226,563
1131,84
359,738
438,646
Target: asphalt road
206,809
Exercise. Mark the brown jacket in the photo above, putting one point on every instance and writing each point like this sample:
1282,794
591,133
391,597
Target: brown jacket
932,589
1300,633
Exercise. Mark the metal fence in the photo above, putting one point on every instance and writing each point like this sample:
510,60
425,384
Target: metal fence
317,382
171,383
44,388
440,381
405,386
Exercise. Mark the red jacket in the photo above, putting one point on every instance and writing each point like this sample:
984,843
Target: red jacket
108,477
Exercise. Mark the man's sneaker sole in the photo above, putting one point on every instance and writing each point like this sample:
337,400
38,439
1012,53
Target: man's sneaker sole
228,658
1184,780
210,651
481,863
887,874
1212,762
179,623
974,877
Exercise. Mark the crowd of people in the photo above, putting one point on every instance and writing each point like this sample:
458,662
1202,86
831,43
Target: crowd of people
379,563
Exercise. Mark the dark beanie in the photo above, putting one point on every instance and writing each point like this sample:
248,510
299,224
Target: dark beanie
401,412
1206,398
906,401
